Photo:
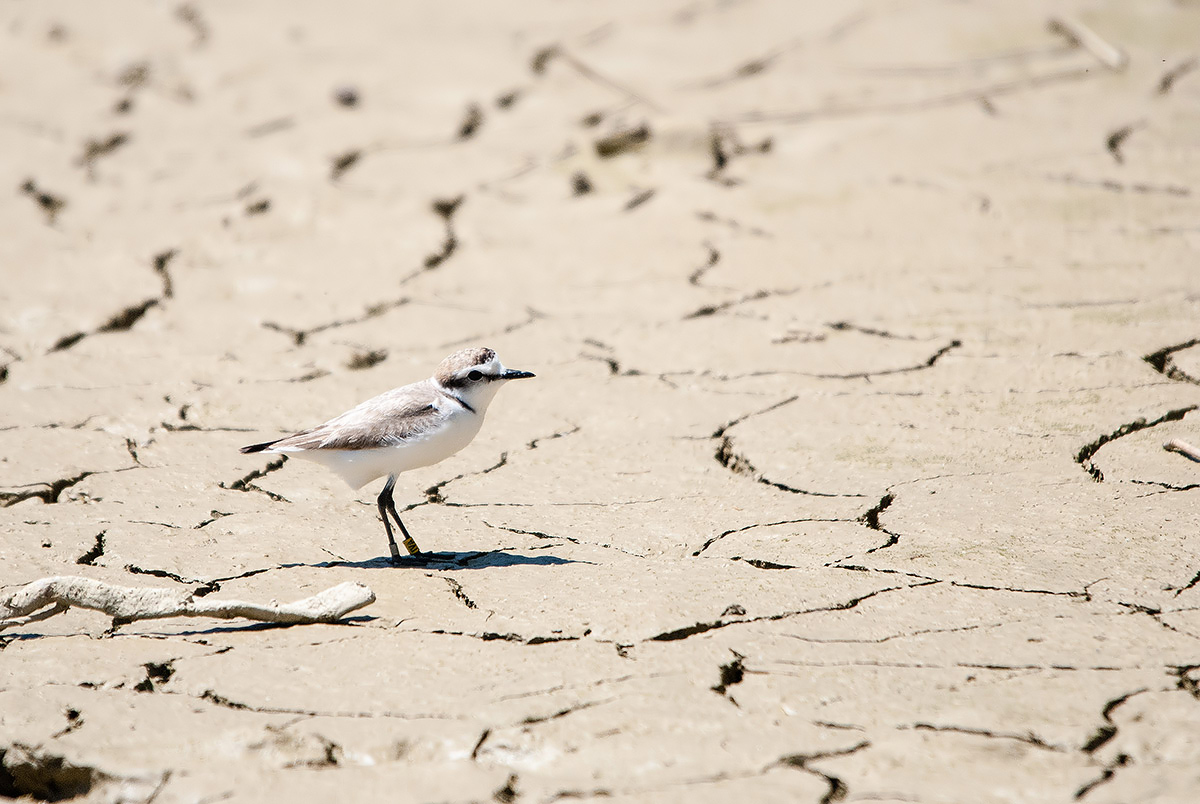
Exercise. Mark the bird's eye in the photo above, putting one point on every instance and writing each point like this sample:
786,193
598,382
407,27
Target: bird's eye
475,376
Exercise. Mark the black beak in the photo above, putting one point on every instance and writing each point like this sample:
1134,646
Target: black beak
513,374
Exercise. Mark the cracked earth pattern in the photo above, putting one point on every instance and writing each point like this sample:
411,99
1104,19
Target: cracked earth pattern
858,330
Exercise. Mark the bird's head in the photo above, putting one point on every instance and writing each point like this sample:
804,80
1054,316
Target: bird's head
475,375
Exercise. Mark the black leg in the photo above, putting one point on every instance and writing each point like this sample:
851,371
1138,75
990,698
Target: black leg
387,505
409,543
385,499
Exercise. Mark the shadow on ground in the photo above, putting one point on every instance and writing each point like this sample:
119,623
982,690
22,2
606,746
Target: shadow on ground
453,561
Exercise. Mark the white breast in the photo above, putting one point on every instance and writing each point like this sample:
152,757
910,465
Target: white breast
359,467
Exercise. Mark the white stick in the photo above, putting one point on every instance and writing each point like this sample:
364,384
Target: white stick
1183,448
126,604
1107,54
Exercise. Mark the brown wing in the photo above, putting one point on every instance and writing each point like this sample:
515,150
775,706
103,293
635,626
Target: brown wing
385,421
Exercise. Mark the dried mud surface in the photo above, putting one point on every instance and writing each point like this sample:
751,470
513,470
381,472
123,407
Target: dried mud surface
858,329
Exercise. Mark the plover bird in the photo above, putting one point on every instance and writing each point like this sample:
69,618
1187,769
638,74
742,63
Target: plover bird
406,428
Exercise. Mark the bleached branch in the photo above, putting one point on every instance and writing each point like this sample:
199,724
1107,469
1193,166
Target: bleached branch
127,604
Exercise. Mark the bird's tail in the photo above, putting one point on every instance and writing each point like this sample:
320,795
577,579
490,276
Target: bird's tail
266,445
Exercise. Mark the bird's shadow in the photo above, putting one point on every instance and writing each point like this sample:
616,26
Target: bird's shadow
453,561
432,561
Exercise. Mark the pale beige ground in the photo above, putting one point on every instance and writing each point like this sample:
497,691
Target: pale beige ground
832,484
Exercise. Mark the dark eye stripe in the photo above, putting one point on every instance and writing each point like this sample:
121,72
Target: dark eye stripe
464,380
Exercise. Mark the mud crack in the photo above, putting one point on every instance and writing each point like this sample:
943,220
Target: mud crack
245,483
639,198
94,149
162,261
507,793
205,587
732,673
97,550
49,203
49,492
457,589
444,208
723,146
493,636
759,295
708,216
74,723
575,428
433,494
300,336
1019,590
1164,363
4,366
471,122
533,720
1108,729
122,321
545,56
365,360
954,98
212,697
1110,770
847,326
189,16
1028,739
929,362
871,519
1114,186
1167,82
341,163
704,627
1103,734
1089,450
714,257
836,788
156,672
541,535
739,464
1186,681
614,365
755,562
29,771
1116,140
531,315
1189,585
622,141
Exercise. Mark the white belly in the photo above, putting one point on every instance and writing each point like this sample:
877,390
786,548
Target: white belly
360,466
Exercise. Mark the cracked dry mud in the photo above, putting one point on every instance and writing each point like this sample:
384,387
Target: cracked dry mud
858,331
